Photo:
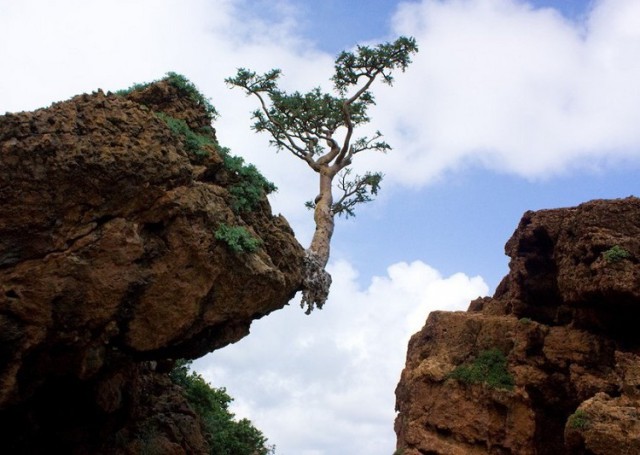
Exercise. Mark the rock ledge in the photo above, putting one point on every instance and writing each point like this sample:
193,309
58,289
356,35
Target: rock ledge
109,266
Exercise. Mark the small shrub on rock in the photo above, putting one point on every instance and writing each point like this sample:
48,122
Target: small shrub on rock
194,143
616,254
182,84
251,185
490,367
579,420
237,238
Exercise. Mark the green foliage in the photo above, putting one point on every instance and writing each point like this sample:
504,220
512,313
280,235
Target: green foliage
193,142
306,124
308,117
237,238
318,128
616,254
490,367
132,88
250,184
354,191
526,321
579,420
225,435
184,85
313,116
368,62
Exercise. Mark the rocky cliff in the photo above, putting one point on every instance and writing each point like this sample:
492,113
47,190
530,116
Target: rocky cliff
112,263
551,363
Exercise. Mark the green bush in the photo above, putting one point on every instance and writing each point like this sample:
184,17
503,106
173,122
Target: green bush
490,367
525,321
193,142
249,186
225,435
237,238
182,84
133,88
615,254
185,85
579,420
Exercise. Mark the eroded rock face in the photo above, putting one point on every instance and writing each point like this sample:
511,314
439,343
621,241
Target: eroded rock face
566,316
108,260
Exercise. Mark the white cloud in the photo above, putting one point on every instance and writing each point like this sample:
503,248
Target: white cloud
324,384
59,49
496,83
500,84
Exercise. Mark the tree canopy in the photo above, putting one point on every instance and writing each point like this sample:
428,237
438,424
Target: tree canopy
319,128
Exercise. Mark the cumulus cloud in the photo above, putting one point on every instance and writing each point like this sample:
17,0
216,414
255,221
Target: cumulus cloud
502,85
324,384
497,84
59,49
68,46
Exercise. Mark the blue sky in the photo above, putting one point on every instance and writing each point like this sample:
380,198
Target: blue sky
509,106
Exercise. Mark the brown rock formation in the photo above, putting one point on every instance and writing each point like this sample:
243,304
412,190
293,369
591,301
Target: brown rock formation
566,317
109,266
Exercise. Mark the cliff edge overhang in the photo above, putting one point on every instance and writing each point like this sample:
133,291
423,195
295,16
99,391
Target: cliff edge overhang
111,258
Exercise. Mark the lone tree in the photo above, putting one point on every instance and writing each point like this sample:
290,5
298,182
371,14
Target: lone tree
319,129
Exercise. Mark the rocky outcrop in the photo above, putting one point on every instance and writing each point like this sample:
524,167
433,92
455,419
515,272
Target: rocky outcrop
566,318
110,265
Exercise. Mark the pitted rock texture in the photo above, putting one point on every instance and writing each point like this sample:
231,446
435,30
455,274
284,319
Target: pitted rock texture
108,259
566,317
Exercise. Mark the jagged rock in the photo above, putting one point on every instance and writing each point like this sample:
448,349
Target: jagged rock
108,260
566,318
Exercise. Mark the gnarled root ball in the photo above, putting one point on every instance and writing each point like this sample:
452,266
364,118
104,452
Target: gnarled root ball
316,284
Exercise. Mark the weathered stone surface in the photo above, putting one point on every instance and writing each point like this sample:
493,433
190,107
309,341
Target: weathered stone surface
566,317
108,258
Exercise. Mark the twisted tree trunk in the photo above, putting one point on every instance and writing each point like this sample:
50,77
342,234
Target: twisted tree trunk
317,280
323,217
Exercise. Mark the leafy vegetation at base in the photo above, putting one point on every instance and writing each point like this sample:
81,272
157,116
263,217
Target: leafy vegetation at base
237,238
579,420
225,435
616,254
490,367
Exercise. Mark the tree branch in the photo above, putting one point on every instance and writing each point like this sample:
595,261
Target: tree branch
305,124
